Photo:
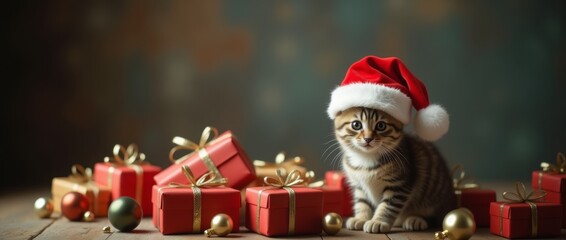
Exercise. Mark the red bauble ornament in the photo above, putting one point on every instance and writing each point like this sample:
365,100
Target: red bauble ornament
74,205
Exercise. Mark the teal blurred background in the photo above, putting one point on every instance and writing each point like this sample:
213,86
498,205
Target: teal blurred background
80,77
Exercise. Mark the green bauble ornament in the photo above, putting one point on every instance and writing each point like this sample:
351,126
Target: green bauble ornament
125,214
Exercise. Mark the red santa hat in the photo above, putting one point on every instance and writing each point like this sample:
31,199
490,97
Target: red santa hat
386,84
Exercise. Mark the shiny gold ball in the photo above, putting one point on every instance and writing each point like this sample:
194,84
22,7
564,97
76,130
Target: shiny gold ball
332,223
221,225
459,224
43,207
88,216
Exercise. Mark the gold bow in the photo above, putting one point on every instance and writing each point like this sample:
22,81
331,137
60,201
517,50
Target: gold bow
281,163
462,181
209,179
80,174
293,178
560,166
521,196
308,180
185,144
126,156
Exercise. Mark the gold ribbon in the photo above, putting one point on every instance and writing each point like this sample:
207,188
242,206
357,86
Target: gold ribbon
293,178
550,168
209,179
308,180
83,177
461,182
208,134
559,168
127,157
281,163
521,196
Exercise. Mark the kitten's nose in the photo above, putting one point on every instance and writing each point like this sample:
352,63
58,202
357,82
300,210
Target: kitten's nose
368,140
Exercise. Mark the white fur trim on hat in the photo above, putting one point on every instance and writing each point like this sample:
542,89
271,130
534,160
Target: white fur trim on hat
431,122
389,100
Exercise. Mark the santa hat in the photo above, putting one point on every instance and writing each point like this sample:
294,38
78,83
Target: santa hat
386,84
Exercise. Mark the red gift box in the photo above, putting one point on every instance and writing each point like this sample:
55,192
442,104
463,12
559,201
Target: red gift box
338,179
515,220
223,155
270,216
333,198
478,202
128,174
555,187
173,208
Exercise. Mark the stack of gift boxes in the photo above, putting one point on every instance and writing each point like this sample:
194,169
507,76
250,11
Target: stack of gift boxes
283,198
210,177
539,213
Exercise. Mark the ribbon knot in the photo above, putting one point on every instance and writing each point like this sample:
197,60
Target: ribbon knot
126,156
462,181
80,174
293,178
308,180
521,196
560,166
192,147
281,163
209,179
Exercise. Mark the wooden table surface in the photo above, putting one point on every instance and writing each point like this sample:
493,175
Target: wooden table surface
18,221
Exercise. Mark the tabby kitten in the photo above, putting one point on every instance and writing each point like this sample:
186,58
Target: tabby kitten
397,179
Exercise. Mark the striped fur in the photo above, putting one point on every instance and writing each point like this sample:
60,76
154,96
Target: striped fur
397,179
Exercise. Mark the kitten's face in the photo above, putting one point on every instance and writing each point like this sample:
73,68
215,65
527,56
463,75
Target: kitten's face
367,130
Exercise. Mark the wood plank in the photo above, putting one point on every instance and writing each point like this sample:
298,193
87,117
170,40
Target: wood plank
63,228
17,217
349,234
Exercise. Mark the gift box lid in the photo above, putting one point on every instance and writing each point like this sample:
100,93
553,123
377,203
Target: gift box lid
550,181
63,185
220,152
182,198
523,210
477,196
331,194
279,198
101,171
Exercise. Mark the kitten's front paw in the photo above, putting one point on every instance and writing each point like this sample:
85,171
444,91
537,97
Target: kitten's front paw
414,223
374,226
355,223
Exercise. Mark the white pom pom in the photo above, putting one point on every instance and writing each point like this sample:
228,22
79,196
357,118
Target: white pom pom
431,122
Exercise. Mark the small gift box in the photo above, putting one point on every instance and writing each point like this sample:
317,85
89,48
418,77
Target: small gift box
189,208
280,209
524,217
337,179
268,169
333,197
81,181
470,196
223,155
552,179
128,174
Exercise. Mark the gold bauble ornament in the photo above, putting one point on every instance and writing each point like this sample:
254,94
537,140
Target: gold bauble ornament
220,225
43,207
88,216
332,223
458,224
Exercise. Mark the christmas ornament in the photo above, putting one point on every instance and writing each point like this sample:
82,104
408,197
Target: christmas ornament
125,214
220,225
332,223
43,207
458,224
106,229
387,84
74,205
88,216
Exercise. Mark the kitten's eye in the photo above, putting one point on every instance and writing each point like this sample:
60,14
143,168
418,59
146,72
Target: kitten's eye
380,126
357,125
